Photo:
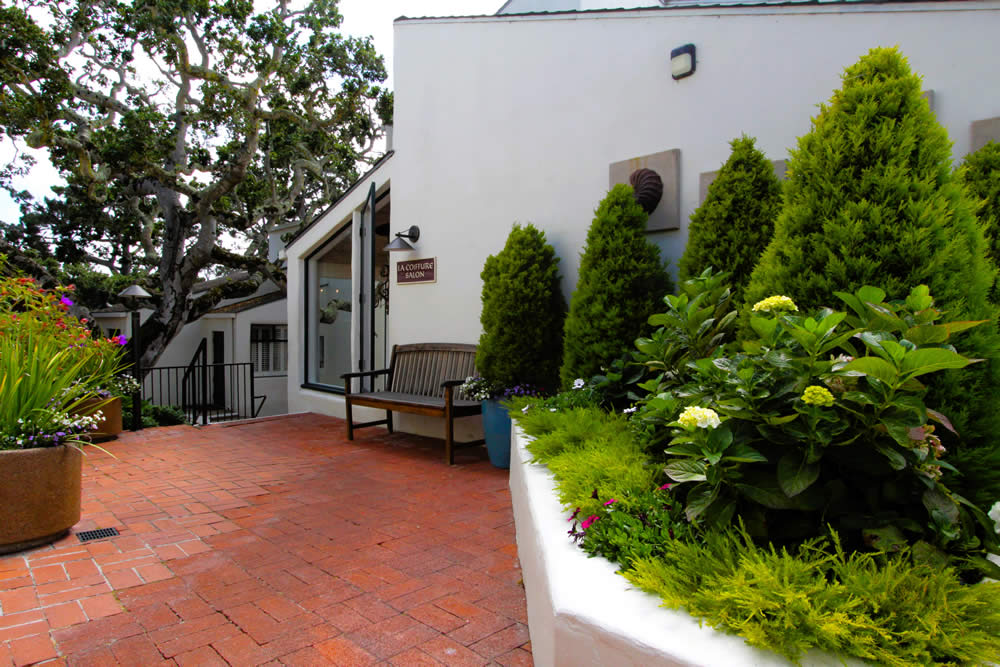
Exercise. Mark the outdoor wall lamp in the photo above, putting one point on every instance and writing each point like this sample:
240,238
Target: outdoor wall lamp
682,62
400,243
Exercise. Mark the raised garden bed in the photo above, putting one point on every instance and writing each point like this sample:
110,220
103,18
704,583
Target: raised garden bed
581,613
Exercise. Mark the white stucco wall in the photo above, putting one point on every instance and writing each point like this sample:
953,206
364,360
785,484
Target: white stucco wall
272,385
508,119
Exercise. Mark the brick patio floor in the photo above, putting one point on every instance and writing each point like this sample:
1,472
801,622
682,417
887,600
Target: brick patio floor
279,542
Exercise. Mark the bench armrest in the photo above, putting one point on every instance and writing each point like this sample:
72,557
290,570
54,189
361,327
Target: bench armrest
381,371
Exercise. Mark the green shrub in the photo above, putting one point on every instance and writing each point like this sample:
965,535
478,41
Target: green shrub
880,608
622,282
980,174
734,224
821,420
523,313
153,415
871,200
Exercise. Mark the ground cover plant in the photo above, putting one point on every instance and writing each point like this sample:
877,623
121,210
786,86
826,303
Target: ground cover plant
734,224
621,283
872,200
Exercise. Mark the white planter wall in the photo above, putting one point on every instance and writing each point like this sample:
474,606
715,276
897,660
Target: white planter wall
581,613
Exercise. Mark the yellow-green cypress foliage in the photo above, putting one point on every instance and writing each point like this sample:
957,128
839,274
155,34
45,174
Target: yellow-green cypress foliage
980,174
734,224
871,200
622,282
523,313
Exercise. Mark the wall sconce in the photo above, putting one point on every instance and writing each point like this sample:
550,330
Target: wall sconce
682,62
400,243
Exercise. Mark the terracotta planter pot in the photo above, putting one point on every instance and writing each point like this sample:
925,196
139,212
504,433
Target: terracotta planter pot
39,496
111,425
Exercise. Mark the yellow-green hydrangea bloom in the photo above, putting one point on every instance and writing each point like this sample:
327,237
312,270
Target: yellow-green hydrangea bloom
699,417
816,395
774,303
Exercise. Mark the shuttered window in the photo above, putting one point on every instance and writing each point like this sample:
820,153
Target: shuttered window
269,348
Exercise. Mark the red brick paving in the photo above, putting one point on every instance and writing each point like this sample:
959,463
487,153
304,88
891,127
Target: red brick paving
275,542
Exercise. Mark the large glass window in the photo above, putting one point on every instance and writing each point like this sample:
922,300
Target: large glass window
330,317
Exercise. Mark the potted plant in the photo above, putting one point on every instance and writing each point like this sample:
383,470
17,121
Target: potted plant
521,344
49,367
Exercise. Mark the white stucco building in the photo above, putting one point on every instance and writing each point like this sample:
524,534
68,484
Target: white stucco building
518,117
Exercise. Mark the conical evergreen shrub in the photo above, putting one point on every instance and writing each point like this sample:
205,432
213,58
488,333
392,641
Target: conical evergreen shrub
734,224
622,282
980,174
871,200
523,313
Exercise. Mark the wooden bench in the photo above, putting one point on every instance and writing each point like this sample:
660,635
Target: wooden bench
421,379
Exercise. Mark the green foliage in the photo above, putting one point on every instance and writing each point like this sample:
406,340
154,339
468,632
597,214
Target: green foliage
523,313
980,174
49,365
871,200
734,224
621,283
153,415
819,429
880,608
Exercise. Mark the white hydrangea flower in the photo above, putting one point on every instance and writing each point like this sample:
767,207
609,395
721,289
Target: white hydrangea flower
995,515
700,417
578,383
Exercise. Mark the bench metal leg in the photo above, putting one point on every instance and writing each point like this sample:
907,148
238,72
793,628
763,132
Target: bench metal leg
449,436
388,419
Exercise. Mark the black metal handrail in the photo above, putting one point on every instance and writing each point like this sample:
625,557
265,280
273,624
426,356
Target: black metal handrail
206,392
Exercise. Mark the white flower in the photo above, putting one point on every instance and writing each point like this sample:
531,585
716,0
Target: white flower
553,410
525,409
629,411
995,515
700,417
578,383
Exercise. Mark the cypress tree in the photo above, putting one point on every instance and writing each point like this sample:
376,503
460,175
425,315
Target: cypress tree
523,313
871,200
980,174
734,224
622,282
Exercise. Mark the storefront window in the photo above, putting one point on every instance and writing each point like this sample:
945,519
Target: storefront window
330,317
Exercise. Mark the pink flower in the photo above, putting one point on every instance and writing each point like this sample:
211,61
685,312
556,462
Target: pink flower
589,521
666,487
575,512
610,502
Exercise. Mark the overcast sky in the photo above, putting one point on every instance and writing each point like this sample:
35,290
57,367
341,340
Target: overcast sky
361,18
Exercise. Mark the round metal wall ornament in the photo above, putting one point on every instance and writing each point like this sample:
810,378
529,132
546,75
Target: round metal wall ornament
648,188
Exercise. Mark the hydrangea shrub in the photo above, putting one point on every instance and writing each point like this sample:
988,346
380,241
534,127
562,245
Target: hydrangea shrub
871,200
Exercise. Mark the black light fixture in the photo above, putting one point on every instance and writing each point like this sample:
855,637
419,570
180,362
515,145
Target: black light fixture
133,294
400,243
682,61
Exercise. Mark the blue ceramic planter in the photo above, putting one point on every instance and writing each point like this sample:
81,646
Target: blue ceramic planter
496,430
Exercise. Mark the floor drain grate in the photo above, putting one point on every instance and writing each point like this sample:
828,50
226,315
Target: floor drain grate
89,535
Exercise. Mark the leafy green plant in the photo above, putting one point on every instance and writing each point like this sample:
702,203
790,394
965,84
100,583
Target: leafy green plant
734,224
523,313
621,283
805,429
871,200
154,415
878,607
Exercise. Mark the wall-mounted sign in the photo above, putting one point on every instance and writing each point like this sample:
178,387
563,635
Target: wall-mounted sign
416,271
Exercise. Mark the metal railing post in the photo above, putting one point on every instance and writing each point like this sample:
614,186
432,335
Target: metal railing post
137,374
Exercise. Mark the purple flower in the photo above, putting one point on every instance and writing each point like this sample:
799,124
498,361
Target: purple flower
589,521
575,512
65,301
60,433
121,340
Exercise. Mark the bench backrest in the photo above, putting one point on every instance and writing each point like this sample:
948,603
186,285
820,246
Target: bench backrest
420,368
